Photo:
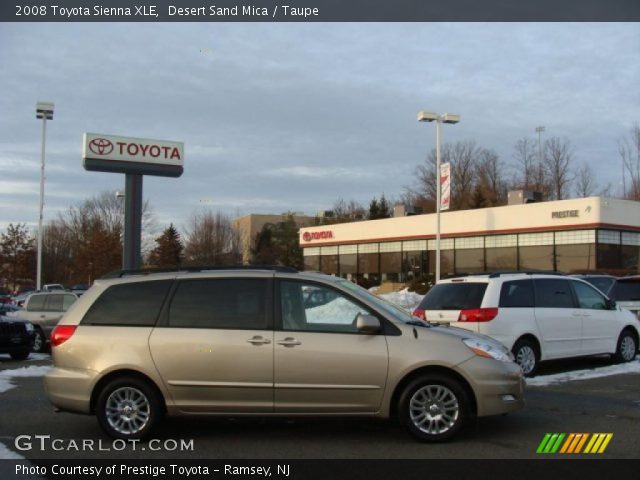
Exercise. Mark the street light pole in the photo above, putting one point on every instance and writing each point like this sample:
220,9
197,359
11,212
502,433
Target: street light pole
439,119
44,110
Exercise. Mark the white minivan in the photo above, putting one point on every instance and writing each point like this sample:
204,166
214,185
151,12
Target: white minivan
537,316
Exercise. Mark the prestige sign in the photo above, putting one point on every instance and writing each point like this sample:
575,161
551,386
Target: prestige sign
142,156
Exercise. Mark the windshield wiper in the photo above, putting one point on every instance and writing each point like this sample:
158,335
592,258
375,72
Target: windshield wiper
418,323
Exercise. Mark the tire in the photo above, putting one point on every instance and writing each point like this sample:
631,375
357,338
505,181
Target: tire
434,408
627,347
128,408
21,355
39,341
527,355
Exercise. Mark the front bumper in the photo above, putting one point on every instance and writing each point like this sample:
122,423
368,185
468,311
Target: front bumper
70,388
498,386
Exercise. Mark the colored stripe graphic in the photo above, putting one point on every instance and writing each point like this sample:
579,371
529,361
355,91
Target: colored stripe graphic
574,443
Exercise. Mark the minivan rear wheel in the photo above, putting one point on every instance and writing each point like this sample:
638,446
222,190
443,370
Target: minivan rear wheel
128,408
433,408
527,356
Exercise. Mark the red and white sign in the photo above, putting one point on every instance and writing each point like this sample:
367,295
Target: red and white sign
127,149
445,186
321,235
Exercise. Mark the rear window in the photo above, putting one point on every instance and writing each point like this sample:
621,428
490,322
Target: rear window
36,303
626,290
129,304
554,294
235,303
516,294
454,296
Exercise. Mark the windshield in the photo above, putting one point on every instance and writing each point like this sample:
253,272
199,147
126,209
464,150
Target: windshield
626,290
393,310
601,283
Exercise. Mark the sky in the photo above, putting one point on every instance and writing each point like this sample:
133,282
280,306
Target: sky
290,117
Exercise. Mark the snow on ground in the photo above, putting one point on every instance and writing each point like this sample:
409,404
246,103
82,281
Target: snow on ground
35,357
32,371
6,454
404,299
555,379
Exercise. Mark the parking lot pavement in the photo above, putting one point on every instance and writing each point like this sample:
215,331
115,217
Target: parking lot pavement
608,404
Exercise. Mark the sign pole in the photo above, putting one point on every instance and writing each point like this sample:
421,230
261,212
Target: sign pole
131,257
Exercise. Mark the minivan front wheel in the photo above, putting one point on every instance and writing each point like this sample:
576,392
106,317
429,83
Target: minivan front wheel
527,356
128,408
627,347
434,408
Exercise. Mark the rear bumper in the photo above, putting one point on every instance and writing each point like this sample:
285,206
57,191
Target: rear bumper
498,386
70,389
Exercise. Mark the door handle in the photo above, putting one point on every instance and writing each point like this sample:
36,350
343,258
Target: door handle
258,340
577,314
289,342
42,316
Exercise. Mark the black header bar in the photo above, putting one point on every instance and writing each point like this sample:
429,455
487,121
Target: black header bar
320,11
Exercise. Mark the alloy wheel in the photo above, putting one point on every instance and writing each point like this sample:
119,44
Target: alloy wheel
434,409
127,410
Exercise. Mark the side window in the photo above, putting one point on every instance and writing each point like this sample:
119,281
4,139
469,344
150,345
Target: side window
588,297
309,307
53,303
35,303
516,294
128,304
553,293
234,303
67,301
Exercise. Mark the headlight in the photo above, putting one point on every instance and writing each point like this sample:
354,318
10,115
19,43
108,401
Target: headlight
486,349
29,327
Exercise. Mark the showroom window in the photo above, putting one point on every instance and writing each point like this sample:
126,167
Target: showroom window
329,260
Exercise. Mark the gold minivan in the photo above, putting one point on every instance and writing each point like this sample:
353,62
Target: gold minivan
268,341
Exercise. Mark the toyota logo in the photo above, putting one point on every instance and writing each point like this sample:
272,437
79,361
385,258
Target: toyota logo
306,236
101,146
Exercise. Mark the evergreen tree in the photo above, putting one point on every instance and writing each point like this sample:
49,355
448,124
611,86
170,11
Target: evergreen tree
169,248
384,208
17,254
278,243
374,209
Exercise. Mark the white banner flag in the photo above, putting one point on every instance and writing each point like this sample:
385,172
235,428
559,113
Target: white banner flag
445,186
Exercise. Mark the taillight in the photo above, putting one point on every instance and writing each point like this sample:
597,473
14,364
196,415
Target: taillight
418,312
478,315
61,334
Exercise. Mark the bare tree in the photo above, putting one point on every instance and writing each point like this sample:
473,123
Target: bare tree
531,173
463,157
212,239
629,150
491,188
557,162
344,211
586,184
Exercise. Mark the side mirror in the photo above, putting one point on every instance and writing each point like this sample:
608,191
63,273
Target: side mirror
611,304
367,324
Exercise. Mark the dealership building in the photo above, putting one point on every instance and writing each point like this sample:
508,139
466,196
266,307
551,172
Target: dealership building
576,235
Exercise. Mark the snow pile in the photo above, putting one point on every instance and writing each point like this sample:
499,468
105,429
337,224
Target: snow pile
555,379
404,299
7,375
337,311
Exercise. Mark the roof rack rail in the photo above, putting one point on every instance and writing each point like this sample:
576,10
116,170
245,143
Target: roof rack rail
198,268
497,273
525,272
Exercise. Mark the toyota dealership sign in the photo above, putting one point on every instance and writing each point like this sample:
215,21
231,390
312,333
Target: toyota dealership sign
110,153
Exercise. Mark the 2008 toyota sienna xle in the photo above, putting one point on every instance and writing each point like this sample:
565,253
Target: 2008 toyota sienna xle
268,341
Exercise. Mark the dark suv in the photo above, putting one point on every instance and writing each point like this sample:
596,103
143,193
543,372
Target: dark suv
16,337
